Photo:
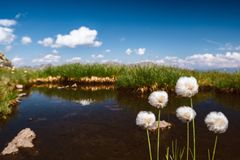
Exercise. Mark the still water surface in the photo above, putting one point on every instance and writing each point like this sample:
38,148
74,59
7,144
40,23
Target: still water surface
90,125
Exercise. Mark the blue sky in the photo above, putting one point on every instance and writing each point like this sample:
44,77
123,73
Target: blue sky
190,34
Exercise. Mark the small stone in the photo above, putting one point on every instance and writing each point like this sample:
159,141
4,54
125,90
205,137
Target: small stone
19,86
30,119
22,94
74,85
162,125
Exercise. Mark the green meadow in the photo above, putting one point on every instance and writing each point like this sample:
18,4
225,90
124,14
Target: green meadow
130,76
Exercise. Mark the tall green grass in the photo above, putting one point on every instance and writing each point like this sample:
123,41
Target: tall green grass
7,94
80,70
136,76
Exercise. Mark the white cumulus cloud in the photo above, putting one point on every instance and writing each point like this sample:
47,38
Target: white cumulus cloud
108,50
203,61
7,22
110,61
6,35
128,51
82,36
49,58
47,42
26,40
55,51
141,51
96,44
97,56
17,61
74,60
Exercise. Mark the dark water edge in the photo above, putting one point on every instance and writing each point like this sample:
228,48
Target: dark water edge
105,129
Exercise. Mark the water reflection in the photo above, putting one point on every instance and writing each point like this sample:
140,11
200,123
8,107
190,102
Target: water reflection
84,102
77,95
90,94
77,123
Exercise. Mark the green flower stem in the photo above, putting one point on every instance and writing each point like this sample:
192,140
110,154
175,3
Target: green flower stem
194,135
209,154
187,139
215,146
158,136
167,154
149,145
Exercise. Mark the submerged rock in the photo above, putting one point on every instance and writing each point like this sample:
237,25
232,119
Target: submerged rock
32,119
23,140
74,85
22,94
162,125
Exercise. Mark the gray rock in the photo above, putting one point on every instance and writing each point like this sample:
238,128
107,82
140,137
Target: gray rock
4,62
23,140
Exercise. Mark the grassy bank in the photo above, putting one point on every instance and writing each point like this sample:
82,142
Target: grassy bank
143,76
7,93
166,77
130,76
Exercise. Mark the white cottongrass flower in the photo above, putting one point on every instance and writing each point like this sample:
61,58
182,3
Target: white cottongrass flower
145,119
216,122
186,86
158,99
185,113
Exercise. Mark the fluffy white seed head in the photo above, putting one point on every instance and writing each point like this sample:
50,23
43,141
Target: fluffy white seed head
145,119
216,122
158,99
186,86
185,113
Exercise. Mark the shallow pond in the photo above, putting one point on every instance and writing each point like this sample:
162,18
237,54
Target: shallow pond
89,125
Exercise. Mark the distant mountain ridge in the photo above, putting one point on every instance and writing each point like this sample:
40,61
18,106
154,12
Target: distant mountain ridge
229,70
